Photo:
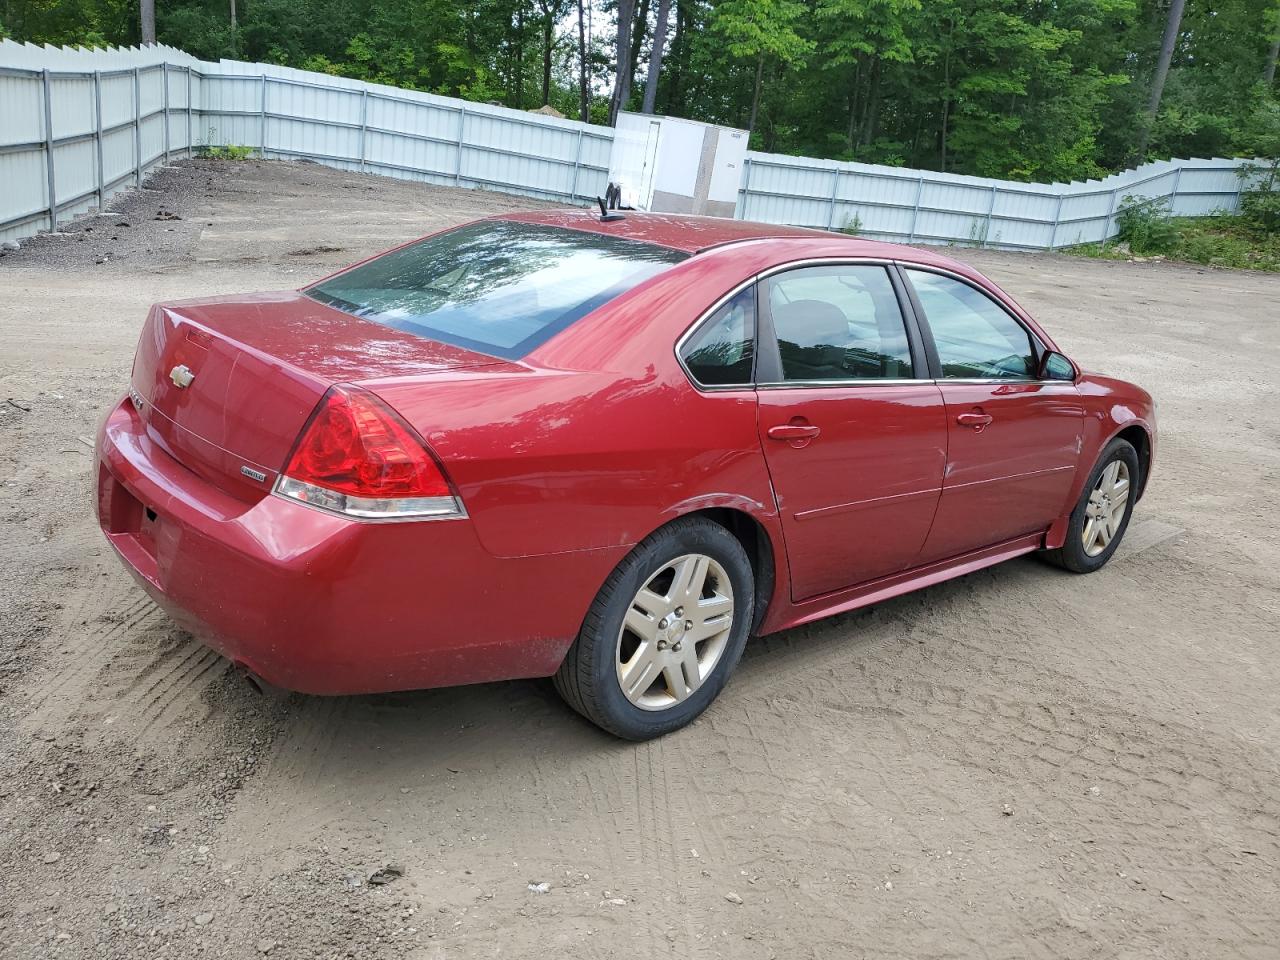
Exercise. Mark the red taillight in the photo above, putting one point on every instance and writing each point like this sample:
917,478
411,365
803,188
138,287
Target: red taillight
356,456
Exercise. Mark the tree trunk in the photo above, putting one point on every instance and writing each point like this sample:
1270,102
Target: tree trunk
548,38
584,94
637,41
518,98
1269,74
675,84
655,56
946,100
851,131
147,21
755,96
1171,27
622,44
873,106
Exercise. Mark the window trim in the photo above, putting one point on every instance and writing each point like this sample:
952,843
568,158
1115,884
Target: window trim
772,363
923,351
703,319
1038,347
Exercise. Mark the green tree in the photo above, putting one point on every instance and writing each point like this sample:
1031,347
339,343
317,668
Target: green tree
760,29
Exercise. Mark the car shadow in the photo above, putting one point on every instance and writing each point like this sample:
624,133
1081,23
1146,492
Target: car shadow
520,724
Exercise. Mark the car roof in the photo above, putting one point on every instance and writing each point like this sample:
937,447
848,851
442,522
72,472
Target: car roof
693,234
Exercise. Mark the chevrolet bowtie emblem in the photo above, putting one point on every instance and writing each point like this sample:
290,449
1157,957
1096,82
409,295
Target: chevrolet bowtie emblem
181,376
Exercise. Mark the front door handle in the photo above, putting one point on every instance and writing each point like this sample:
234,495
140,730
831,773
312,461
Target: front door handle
793,431
978,420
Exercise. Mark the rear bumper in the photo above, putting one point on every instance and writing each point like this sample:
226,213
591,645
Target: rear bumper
320,604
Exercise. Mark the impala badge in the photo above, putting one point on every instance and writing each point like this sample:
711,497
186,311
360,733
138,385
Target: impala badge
181,376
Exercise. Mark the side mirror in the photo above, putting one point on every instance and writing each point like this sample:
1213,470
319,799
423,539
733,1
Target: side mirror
1054,366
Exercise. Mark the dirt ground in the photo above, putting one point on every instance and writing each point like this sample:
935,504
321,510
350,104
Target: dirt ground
1018,764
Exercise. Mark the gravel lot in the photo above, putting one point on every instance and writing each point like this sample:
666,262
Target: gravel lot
1017,764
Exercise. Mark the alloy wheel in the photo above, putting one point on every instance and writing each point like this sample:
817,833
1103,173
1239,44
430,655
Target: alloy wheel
1104,513
674,632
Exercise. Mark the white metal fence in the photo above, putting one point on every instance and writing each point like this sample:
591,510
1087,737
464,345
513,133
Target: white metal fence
920,206
77,125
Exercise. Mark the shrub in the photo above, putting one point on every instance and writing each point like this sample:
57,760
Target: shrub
1145,225
1260,209
226,153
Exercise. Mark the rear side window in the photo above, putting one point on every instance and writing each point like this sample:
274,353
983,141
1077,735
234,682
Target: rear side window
975,337
722,350
500,287
839,323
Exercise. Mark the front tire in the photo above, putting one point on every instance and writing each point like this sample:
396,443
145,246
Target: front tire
664,633
1101,518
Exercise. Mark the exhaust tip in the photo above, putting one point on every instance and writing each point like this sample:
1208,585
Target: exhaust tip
256,683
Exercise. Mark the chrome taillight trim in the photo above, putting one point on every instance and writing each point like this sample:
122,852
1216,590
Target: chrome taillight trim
368,509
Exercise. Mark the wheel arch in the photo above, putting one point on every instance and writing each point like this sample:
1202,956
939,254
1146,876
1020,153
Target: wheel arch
757,532
1139,438
759,548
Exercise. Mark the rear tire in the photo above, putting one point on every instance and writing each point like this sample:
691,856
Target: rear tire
664,632
1100,519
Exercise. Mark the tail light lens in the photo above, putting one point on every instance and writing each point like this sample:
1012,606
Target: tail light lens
359,458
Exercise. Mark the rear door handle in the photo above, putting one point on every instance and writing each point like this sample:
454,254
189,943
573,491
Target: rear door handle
974,419
793,431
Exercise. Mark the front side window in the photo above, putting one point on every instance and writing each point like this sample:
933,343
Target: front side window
838,323
721,351
500,287
975,338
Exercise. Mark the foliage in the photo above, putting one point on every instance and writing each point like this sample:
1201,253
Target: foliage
226,153
1017,89
1221,241
852,226
1260,204
1145,225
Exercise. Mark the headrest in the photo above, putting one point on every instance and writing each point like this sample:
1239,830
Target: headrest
811,323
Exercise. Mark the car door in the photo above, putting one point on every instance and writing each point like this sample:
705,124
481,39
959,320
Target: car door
854,431
1014,440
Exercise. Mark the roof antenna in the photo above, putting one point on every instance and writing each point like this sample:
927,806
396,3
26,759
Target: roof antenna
607,215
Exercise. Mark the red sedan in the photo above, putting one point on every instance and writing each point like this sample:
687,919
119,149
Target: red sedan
604,450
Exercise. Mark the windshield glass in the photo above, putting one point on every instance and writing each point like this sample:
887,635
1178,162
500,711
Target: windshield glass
500,286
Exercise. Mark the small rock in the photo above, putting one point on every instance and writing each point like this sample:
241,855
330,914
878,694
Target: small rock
733,898
266,946
122,223
542,887
9,245
388,873
617,901
888,884
1007,810
203,919
1094,791
52,857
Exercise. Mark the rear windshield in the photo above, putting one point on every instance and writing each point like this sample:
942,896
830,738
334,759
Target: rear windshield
500,287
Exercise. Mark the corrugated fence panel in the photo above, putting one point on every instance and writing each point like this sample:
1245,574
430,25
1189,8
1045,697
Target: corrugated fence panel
24,193
23,109
72,106
305,138
118,113
118,156
932,207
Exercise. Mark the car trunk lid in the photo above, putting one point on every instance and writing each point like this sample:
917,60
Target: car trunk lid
226,384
